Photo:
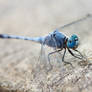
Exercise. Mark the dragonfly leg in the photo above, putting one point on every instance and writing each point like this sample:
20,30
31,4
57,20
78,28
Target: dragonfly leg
63,55
74,54
79,53
65,61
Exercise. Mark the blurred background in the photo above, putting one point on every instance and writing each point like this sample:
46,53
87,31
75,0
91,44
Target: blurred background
35,18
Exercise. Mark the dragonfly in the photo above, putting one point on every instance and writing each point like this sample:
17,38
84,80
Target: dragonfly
56,40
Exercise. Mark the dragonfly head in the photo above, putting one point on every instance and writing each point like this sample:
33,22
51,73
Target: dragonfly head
73,42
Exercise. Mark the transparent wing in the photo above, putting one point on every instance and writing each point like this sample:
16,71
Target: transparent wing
43,57
49,61
43,54
76,21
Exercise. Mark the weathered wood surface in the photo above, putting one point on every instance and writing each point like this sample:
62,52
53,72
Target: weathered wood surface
20,70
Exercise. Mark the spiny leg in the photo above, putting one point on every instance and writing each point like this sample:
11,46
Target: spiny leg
63,55
84,58
74,54
63,59
79,53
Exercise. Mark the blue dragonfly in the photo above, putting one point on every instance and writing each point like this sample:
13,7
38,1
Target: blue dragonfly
56,40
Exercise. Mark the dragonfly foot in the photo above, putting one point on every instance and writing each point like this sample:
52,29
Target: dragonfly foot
67,63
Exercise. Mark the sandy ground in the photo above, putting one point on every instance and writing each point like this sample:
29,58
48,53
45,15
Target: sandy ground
20,69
